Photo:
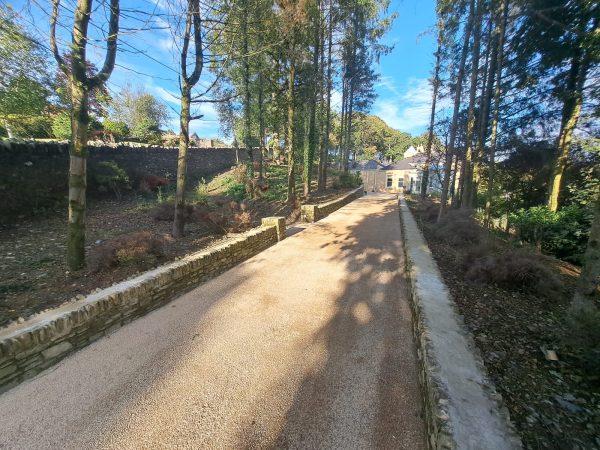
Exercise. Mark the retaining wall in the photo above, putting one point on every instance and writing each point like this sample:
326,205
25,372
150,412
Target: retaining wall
313,213
462,408
30,347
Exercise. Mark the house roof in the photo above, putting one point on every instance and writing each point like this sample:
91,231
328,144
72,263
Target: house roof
366,165
407,163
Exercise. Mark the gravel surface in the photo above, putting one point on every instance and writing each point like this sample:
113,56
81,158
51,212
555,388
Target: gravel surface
306,345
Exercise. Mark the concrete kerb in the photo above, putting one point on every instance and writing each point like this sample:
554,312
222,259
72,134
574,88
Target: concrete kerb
30,347
462,408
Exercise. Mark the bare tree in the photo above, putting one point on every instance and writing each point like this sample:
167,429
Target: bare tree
81,84
192,30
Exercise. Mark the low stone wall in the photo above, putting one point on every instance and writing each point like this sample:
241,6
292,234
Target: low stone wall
313,213
30,347
462,408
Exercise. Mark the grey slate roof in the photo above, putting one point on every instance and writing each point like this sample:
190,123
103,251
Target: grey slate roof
407,163
366,165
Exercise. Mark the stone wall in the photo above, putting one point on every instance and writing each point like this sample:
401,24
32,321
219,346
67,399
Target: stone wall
34,175
313,213
462,409
30,347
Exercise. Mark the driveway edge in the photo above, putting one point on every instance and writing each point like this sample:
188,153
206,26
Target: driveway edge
462,408
28,348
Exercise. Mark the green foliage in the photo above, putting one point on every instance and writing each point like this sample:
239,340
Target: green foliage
201,192
277,180
234,189
563,234
118,129
349,180
111,176
61,126
34,127
141,112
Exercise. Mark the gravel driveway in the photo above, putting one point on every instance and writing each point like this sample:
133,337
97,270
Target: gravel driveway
307,345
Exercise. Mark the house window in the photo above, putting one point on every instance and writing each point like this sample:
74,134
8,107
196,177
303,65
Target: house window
390,181
400,182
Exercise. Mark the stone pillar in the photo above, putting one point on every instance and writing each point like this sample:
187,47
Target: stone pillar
278,222
310,213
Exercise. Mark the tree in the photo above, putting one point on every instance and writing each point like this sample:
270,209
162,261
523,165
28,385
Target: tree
586,293
435,82
81,84
24,78
456,110
142,113
560,49
192,32
99,97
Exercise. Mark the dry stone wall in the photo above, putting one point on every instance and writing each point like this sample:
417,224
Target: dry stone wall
313,213
34,175
30,347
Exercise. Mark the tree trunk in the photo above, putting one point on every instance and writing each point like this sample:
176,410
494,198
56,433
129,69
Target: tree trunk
570,116
586,293
484,115
328,113
291,188
436,85
342,123
193,26
77,176
80,85
466,200
311,148
496,117
455,114
349,128
247,99
184,139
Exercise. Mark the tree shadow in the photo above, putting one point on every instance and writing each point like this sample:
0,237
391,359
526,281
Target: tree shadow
365,394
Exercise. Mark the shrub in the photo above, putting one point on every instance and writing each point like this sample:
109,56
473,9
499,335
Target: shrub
516,270
349,180
141,249
166,211
111,176
458,227
116,128
563,234
234,189
201,194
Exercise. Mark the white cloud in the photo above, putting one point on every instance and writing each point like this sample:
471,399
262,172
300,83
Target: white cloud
406,111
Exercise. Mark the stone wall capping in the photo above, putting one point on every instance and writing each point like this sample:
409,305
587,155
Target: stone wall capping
462,408
29,347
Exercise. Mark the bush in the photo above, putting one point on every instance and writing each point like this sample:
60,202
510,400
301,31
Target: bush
459,228
563,234
201,194
349,180
234,189
111,176
117,129
142,249
516,270
166,211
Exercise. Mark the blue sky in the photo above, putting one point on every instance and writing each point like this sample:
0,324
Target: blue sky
404,94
